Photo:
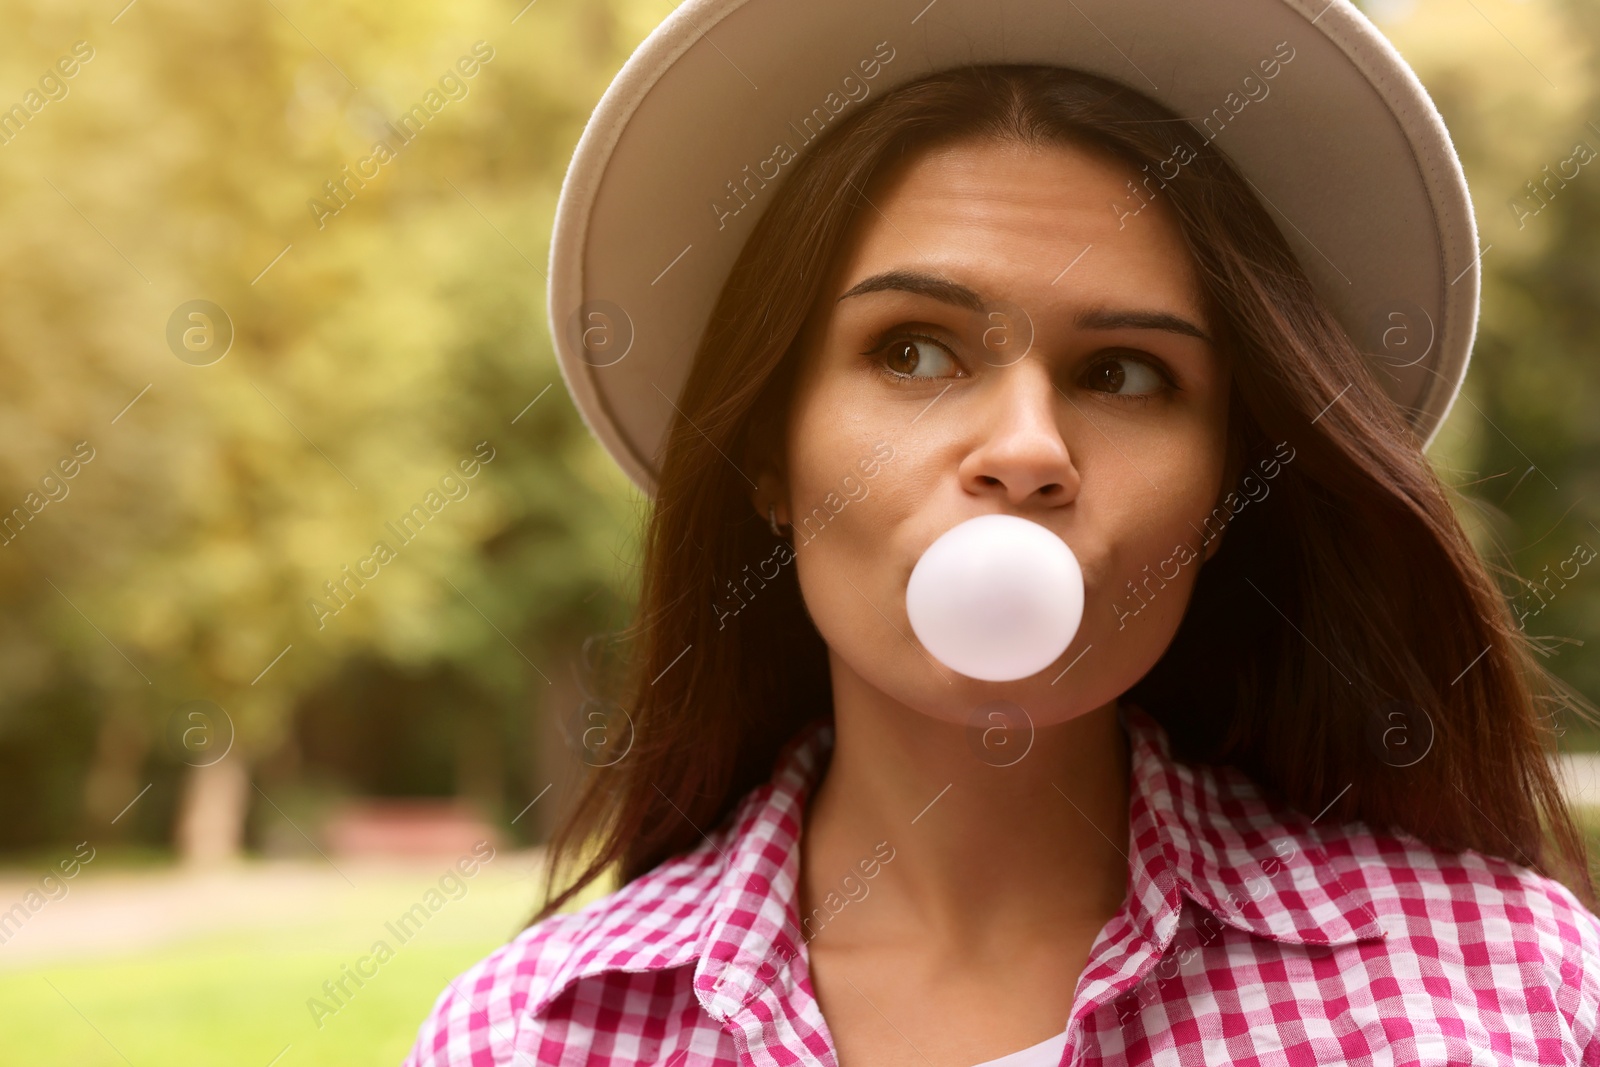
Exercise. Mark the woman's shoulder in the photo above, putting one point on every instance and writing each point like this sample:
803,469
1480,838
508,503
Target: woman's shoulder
1375,934
499,1004
493,994
1477,925
1424,885
1415,883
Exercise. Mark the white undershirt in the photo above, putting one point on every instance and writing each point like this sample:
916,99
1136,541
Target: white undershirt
1046,1053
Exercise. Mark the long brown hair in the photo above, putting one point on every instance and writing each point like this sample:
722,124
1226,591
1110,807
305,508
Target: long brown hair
1349,607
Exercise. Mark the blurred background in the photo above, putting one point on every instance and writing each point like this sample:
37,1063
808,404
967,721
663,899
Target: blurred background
309,571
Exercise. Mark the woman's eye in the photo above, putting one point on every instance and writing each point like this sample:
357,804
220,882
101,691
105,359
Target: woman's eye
1127,376
918,357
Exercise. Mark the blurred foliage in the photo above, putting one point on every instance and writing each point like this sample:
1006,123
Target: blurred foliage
376,347
371,354
1519,88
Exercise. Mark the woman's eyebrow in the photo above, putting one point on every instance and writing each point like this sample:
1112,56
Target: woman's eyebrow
1103,318
1092,318
911,281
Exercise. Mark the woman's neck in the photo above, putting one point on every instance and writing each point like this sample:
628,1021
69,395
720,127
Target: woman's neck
982,857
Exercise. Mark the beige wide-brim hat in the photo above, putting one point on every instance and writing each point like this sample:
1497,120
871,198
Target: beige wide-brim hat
1341,143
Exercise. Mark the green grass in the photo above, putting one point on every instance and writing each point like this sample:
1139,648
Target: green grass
239,996
237,1000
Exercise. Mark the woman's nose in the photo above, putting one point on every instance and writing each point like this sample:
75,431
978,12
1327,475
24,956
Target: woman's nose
1019,450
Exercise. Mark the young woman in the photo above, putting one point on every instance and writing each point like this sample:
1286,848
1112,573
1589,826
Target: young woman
1284,799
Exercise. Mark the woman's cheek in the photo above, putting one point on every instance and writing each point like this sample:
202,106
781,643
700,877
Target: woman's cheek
849,609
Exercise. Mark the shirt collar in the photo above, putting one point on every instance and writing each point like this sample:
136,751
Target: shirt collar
1210,831
730,905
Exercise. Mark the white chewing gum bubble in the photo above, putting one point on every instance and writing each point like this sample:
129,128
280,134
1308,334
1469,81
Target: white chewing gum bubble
996,598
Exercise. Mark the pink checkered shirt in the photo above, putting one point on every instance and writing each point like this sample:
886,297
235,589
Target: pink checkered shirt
1249,936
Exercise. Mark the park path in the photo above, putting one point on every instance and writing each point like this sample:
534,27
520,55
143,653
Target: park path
1580,774
120,911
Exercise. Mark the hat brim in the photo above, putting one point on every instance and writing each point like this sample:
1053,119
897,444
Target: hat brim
1342,145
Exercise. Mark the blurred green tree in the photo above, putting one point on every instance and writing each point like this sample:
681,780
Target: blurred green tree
1517,86
374,350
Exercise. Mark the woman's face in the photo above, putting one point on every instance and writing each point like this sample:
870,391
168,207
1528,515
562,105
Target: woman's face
1003,335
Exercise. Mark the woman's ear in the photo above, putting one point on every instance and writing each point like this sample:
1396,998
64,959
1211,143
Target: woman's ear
764,454
771,493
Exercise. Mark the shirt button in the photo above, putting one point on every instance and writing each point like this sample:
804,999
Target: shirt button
1164,927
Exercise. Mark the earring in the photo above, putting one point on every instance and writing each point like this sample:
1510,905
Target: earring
772,520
